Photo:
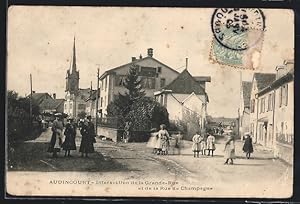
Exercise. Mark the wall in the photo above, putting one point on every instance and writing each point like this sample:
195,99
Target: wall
284,115
253,116
267,117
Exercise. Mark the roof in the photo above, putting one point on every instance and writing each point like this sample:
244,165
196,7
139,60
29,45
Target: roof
51,104
185,83
278,82
264,79
38,97
202,78
246,87
131,63
93,95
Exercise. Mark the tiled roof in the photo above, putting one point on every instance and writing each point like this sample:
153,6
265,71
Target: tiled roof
134,62
37,97
278,82
51,104
185,84
246,85
264,79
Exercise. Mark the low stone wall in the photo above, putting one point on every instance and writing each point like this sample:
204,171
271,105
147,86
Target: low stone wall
111,133
116,134
284,152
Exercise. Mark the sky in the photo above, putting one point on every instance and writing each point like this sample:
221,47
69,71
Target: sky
40,41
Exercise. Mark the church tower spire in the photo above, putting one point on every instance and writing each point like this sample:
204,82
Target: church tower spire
73,68
72,79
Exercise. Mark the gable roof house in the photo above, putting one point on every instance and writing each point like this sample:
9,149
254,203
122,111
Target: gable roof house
186,100
153,74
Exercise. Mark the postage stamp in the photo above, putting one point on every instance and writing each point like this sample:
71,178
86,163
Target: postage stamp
238,36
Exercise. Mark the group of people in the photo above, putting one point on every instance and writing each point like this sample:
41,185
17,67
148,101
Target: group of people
160,141
64,137
203,143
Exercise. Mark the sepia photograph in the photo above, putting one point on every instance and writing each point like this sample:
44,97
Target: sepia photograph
150,102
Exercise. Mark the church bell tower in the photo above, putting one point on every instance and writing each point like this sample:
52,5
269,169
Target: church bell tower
72,78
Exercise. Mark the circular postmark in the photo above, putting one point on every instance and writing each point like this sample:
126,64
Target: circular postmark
238,28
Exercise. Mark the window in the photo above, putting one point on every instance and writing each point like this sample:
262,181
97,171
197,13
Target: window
162,82
159,69
81,106
82,97
105,83
148,82
102,84
283,95
71,105
104,101
148,71
285,99
120,80
252,105
280,96
101,101
263,104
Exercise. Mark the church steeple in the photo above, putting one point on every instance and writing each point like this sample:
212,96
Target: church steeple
73,68
72,79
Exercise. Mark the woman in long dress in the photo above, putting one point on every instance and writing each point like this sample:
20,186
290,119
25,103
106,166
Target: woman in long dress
211,147
229,149
70,133
203,144
248,146
86,145
196,144
153,140
162,140
57,137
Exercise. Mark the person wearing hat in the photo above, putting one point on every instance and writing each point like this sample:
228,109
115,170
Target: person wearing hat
248,146
56,139
229,149
87,132
70,133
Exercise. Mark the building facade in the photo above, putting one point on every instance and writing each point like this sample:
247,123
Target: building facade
259,82
280,108
153,73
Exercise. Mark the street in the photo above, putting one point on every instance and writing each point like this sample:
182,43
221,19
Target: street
260,175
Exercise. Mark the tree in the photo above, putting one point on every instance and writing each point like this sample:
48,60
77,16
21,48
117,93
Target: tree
133,93
146,114
18,115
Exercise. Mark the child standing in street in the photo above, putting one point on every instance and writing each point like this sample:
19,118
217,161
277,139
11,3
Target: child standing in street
196,144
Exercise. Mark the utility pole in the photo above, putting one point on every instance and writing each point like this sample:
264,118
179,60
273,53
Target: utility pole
91,93
30,110
97,96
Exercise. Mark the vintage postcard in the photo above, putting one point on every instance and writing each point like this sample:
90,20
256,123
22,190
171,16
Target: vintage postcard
150,102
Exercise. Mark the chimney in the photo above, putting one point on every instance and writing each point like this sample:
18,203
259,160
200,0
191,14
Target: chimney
133,59
33,91
141,57
150,52
54,96
186,62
